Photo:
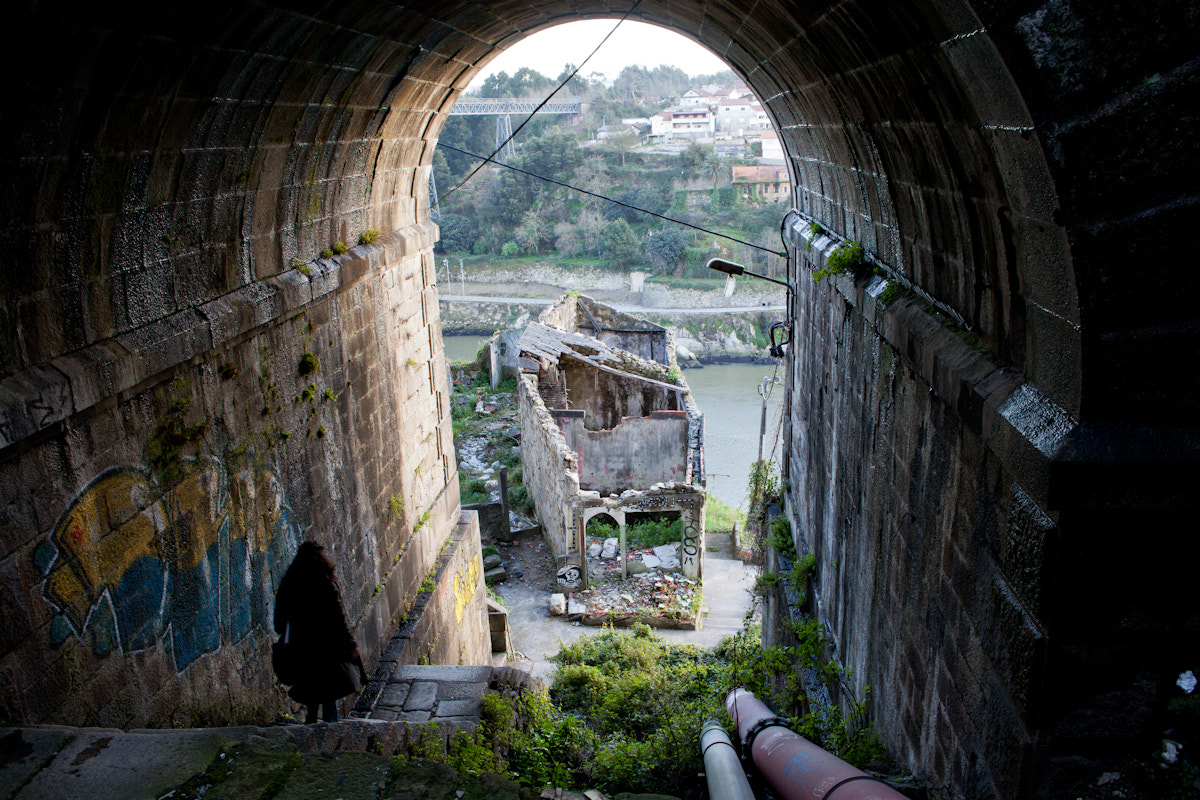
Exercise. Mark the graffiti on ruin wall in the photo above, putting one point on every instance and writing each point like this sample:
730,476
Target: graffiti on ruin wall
195,568
690,544
466,584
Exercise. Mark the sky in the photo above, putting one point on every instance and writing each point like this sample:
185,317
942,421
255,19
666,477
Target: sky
633,43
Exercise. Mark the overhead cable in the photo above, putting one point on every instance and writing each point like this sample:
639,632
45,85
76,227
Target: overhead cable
782,254
512,135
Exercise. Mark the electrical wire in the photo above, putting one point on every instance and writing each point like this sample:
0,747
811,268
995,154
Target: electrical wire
491,159
513,135
782,254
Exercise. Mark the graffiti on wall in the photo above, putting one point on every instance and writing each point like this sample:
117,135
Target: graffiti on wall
466,584
195,568
690,544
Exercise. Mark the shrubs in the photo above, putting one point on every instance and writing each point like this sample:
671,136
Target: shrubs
645,700
519,500
720,517
845,257
627,707
642,534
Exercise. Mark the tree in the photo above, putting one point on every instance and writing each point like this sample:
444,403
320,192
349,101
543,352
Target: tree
653,198
458,233
714,167
591,231
555,154
510,196
441,169
665,249
695,155
593,176
534,232
472,134
567,239
577,86
619,243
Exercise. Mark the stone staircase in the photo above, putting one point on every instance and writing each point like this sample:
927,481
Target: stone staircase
452,695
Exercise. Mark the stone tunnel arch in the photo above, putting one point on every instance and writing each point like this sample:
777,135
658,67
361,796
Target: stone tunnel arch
175,174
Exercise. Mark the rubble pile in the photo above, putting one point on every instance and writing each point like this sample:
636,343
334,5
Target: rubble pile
604,559
660,599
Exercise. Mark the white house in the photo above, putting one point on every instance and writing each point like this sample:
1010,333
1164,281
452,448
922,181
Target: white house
772,147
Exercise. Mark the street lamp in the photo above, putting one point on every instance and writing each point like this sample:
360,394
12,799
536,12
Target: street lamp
733,270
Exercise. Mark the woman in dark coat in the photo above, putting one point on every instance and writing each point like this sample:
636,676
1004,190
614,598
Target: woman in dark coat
308,606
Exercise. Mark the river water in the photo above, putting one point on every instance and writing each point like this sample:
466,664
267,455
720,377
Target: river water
462,348
728,396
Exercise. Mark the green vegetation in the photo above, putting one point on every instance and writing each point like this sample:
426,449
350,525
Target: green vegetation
802,569
512,215
764,487
891,294
430,581
765,582
519,500
396,507
720,517
844,258
369,236
340,247
172,435
626,709
640,534
327,253
476,493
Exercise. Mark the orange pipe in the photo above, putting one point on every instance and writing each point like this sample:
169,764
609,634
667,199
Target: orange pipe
796,768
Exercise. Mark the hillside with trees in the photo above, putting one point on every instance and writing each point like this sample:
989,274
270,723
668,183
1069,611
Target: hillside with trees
504,214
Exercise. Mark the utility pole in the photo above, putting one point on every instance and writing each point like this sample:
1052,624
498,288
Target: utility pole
764,392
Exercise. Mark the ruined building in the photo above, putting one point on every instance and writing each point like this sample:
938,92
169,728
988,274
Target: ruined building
608,426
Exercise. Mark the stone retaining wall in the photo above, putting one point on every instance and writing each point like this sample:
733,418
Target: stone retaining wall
181,464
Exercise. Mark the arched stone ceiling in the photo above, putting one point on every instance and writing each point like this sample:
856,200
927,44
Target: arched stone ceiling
172,154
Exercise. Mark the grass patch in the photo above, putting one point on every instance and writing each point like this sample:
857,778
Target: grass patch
720,517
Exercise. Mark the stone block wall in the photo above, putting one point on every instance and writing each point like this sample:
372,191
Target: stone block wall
440,624
942,495
550,467
185,463
903,491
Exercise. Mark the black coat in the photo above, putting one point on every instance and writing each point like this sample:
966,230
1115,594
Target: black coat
319,634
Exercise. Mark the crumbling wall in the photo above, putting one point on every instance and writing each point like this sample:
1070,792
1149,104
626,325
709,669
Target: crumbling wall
639,452
609,398
550,468
687,500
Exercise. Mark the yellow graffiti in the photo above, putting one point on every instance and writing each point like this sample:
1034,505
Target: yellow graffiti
466,585
104,532
115,522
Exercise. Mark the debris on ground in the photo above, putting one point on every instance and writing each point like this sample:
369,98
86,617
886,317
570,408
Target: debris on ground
668,598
